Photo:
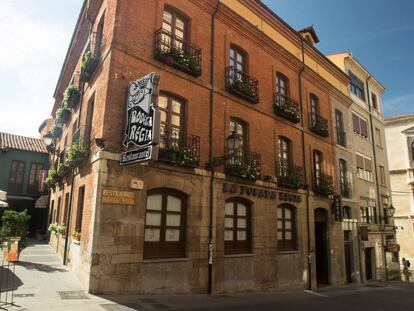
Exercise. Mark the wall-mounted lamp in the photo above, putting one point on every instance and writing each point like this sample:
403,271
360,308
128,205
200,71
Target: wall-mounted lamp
100,142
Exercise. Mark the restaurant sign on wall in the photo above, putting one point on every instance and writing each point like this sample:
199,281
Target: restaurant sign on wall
143,120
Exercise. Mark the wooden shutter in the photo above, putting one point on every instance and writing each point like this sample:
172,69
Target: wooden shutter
360,161
368,164
364,128
355,122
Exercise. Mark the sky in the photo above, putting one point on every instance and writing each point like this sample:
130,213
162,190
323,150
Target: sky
35,35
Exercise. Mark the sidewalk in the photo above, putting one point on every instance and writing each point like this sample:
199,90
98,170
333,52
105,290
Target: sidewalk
43,284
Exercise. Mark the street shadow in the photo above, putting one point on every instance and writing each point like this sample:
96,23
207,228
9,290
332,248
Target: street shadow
8,280
39,267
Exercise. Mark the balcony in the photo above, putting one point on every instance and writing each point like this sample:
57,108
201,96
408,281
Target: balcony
239,163
179,149
286,108
177,53
323,185
289,175
319,125
91,56
242,85
341,138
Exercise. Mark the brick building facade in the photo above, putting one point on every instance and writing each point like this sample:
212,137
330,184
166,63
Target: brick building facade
207,216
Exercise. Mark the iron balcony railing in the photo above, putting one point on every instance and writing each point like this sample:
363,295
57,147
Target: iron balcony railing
341,138
91,56
178,53
319,125
241,84
179,149
243,164
289,175
323,184
286,107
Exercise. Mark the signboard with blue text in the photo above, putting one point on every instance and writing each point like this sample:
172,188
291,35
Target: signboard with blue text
143,120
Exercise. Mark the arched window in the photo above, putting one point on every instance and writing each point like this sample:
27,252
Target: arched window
165,224
286,227
237,226
317,166
284,155
172,119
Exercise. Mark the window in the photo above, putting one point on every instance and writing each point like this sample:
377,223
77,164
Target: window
52,214
238,61
347,212
374,101
314,102
340,132
369,213
89,135
364,167
382,175
58,210
378,140
412,151
79,211
165,224
317,166
171,110
285,158
360,125
65,210
356,86
282,86
239,127
176,25
343,179
16,176
286,227
385,205
34,177
237,226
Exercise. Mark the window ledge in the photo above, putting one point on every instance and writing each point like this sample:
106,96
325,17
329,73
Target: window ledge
160,260
239,255
293,252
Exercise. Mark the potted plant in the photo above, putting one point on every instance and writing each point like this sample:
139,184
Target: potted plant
15,225
88,65
245,170
71,96
56,131
76,154
62,170
61,229
182,156
76,235
63,115
53,228
51,178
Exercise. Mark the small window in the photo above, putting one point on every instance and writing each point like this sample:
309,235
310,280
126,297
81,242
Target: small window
374,101
284,155
34,177
237,226
360,125
286,227
340,131
282,85
356,86
16,176
79,211
382,175
165,224
172,114
238,61
314,108
317,166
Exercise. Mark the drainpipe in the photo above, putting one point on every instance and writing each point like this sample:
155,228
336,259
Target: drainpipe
211,153
309,253
382,224
68,217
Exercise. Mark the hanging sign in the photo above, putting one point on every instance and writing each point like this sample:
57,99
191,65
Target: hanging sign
143,120
337,208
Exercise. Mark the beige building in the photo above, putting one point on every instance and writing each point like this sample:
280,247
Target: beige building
399,134
369,199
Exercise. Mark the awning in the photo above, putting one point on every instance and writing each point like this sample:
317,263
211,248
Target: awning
4,204
42,201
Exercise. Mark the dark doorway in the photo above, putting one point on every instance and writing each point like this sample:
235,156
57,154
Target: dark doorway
368,264
348,255
321,247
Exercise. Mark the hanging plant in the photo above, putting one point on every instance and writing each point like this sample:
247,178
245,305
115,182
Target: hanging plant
71,96
87,57
63,115
56,131
76,154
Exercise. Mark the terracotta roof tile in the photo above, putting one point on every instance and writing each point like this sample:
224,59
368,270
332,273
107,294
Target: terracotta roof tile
17,142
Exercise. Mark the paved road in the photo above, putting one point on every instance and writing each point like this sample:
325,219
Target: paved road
42,283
